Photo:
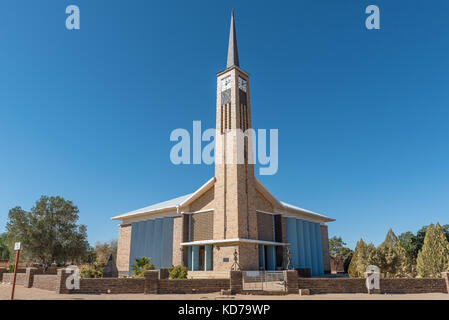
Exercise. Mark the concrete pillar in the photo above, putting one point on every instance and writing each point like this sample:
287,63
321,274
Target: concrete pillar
375,282
446,278
163,274
151,282
63,274
325,248
29,277
291,281
236,282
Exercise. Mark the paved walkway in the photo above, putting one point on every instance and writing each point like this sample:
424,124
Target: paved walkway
22,293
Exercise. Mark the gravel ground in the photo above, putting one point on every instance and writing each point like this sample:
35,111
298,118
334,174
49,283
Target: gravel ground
22,293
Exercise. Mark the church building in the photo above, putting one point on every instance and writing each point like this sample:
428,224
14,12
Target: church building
232,217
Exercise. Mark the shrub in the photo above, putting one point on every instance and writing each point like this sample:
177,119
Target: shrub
363,257
178,272
142,264
91,271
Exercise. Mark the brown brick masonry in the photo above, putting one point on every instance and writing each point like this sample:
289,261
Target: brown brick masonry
328,285
157,282
9,277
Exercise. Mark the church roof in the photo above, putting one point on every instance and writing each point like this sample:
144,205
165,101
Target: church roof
182,201
169,204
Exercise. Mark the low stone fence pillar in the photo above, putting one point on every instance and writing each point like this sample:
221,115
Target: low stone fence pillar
62,285
2,271
375,282
163,274
29,277
446,279
236,282
151,282
291,281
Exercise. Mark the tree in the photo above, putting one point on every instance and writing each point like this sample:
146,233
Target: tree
4,249
142,264
363,257
391,257
413,243
103,250
337,250
49,232
434,255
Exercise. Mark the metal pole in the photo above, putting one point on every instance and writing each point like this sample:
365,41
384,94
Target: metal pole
15,274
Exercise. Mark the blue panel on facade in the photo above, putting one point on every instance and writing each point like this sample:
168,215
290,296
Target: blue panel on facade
195,257
208,257
133,246
307,245
313,246
293,240
261,257
152,239
140,239
319,249
157,253
167,242
301,243
189,258
271,258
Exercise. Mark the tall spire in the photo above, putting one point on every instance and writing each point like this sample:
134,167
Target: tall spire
233,53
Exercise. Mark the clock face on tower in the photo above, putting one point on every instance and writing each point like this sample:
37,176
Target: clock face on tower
242,84
226,83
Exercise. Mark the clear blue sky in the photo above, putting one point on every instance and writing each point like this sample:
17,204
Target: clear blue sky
363,116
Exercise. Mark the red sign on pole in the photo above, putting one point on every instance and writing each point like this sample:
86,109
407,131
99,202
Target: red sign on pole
17,247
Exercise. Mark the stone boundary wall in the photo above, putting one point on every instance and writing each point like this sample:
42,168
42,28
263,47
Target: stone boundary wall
157,282
45,281
112,285
426,285
330,285
192,285
346,285
9,277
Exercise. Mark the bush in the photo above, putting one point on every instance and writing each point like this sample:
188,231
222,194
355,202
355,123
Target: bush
11,268
178,272
142,264
91,271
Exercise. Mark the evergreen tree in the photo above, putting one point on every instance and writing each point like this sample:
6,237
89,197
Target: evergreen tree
391,257
434,255
363,257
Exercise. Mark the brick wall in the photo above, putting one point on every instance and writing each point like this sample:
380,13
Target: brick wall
45,282
413,285
202,226
329,285
324,285
112,285
192,285
265,226
123,247
9,277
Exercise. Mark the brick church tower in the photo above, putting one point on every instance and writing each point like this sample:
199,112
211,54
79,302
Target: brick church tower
235,212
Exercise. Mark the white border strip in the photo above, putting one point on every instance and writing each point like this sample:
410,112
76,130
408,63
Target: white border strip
199,211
